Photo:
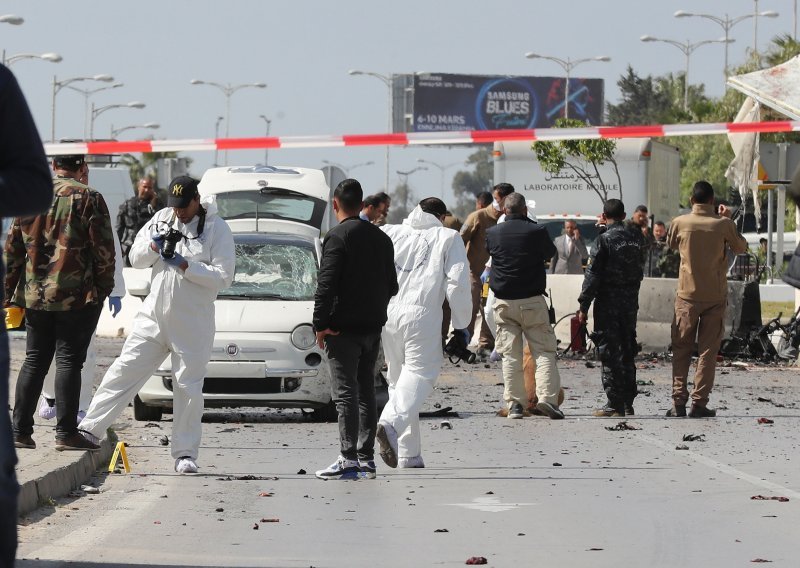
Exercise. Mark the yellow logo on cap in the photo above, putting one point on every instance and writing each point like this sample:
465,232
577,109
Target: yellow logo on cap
177,190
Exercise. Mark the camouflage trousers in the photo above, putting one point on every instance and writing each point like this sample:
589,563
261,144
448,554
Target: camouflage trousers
615,338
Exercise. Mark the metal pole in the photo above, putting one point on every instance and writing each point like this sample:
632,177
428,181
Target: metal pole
770,229
91,123
389,124
228,94
727,30
53,113
566,91
686,80
216,135
755,27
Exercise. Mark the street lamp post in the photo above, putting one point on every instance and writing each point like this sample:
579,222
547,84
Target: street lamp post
228,91
87,93
97,111
687,48
52,57
441,169
58,85
386,80
216,135
567,64
266,150
726,24
117,131
347,169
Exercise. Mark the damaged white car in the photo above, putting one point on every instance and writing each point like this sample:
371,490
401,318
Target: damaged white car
264,351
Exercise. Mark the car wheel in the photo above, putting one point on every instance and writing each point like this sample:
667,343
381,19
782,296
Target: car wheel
325,414
144,413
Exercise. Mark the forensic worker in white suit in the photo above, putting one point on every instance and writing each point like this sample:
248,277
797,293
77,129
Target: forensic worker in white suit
177,317
431,263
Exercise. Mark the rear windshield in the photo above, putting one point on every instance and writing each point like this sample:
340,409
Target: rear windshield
271,203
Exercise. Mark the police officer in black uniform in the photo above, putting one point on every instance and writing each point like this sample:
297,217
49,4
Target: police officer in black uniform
612,281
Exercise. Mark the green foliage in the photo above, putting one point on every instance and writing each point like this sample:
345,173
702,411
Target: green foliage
582,157
469,183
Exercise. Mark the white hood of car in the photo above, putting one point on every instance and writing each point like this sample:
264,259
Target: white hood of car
264,316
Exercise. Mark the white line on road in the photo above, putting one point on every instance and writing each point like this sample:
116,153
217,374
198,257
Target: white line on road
723,468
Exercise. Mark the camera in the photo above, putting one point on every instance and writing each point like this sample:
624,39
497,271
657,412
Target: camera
171,238
456,348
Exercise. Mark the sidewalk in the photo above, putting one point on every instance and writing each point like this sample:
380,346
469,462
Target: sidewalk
45,473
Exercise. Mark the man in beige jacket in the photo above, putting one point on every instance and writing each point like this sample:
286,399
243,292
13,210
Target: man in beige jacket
702,238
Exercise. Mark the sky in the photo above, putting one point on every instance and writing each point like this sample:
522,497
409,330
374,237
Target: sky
303,49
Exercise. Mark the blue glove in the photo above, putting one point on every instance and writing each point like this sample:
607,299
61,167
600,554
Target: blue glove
158,240
175,261
465,334
114,305
485,275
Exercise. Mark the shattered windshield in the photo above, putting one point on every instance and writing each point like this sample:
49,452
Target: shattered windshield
273,268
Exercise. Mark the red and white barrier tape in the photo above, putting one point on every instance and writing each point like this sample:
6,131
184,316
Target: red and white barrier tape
419,138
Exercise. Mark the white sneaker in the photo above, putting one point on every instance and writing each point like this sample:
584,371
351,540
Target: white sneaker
340,469
185,464
415,461
387,439
45,410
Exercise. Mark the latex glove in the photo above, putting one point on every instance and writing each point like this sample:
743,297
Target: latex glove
485,275
177,260
465,334
157,243
114,305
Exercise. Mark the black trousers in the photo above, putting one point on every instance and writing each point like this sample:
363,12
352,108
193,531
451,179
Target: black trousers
351,359
615,337
67,335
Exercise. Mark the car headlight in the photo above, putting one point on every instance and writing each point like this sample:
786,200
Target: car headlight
303,337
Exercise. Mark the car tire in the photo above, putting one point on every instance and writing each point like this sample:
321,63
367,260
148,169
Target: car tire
144,413
326,413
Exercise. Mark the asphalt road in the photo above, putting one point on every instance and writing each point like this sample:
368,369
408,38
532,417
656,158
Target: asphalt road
517,492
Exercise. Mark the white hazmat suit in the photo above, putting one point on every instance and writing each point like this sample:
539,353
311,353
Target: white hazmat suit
176,317
431,264
87,372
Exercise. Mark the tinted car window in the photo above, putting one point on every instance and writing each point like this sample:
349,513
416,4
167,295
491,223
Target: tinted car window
271,203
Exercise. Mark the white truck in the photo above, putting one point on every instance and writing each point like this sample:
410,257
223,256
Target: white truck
649,172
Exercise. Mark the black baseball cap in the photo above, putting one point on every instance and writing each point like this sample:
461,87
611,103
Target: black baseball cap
181,191
70,162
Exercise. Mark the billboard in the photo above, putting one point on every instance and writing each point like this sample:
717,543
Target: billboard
443,101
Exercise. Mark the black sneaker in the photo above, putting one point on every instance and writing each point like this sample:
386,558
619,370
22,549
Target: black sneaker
629,409
515,411
698,411
75,442
24,441
609,412
550,410
677,411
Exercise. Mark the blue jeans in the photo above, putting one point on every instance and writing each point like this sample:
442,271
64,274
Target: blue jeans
9,489
351,359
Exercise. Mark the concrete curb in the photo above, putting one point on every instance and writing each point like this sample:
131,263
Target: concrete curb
63,479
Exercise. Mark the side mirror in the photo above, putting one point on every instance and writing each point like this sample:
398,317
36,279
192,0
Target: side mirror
139,288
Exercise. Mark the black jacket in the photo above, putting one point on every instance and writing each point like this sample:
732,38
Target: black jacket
616,267
356,279
519,248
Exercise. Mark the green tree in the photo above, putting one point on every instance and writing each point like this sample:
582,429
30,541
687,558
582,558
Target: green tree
643,101
402,203
582,157
469,183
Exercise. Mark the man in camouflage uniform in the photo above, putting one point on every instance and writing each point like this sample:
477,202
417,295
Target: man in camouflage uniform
61,270
134,213
612,281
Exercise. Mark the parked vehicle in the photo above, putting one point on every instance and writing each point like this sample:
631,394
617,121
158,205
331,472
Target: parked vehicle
264,353
649,172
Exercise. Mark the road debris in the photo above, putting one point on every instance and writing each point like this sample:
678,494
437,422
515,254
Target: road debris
445,425
682,447
694,437
476,560
621,426
772,498
273,520
765,421
246,478
265,494
164,440
441,531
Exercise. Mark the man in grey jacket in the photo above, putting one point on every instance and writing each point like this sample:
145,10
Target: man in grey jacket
571,251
